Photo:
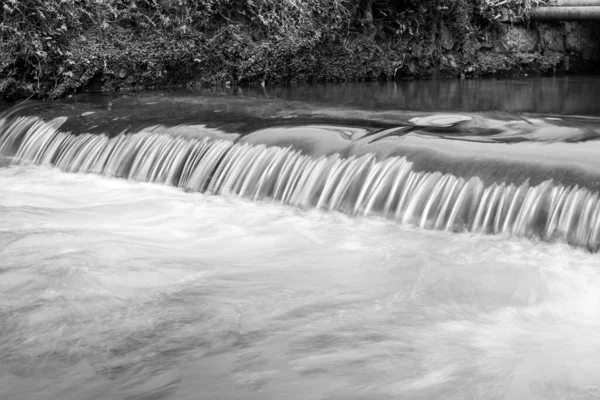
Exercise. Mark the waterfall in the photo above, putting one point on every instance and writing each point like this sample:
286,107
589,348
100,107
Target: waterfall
358,185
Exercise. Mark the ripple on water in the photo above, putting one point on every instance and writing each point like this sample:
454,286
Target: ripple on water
111,289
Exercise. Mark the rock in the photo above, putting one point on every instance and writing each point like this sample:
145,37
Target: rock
446,38
519,39
440,120
448,61
471,46
452,61
500,47
551,38
412,67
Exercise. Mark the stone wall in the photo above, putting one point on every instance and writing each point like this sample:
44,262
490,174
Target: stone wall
558,47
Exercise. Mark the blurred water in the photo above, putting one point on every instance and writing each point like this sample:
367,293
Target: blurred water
111,289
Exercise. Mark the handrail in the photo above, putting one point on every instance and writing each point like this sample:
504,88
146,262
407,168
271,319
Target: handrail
572,13
576,3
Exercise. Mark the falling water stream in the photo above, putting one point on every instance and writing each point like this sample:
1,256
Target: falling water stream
194,246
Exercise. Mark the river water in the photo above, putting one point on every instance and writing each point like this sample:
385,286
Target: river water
133,288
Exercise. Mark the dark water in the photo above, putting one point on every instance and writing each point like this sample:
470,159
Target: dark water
428,240
578,95
567,95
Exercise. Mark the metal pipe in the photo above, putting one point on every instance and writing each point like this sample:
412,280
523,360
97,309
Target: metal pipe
576,3
566,13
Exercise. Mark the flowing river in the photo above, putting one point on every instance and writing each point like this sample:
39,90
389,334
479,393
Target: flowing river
291,245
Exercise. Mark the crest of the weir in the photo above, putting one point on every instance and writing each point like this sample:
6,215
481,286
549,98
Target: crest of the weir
362,185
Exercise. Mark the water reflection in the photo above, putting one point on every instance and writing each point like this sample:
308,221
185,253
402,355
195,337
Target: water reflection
553,95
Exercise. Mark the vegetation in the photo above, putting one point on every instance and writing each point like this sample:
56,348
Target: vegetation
52,47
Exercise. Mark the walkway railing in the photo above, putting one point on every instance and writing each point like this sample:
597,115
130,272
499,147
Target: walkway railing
568,10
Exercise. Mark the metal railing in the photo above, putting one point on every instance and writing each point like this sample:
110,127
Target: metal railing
568,10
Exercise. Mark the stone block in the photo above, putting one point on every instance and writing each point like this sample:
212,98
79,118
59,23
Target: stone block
583,38
551,37
518,39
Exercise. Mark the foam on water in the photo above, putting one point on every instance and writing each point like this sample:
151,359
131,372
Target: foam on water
111,289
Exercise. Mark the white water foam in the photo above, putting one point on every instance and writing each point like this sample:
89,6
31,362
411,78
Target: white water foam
111,289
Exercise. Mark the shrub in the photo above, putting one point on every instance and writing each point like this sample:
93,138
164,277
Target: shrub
52,47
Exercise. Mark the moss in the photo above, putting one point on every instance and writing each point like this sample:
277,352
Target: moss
490,63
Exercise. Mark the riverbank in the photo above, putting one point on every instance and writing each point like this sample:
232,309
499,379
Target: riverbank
53,48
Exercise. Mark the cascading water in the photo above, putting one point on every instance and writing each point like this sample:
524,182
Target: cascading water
357,185
135,263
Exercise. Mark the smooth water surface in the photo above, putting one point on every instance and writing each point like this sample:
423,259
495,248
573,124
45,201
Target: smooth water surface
558,95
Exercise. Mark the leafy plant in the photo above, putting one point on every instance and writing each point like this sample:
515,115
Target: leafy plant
52,47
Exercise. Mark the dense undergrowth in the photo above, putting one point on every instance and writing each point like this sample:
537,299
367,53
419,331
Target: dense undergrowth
52,47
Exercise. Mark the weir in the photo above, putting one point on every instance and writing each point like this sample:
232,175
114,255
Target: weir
360,184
